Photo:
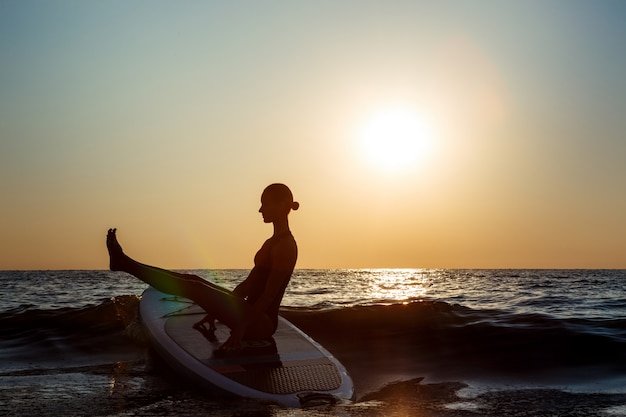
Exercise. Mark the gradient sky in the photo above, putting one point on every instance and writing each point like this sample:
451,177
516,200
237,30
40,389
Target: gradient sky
167,119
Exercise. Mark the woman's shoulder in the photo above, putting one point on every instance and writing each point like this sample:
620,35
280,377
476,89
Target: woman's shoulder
285,246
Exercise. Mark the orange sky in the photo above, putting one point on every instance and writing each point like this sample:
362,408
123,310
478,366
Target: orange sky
167,121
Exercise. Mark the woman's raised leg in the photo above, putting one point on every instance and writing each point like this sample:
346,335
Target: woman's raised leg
217,301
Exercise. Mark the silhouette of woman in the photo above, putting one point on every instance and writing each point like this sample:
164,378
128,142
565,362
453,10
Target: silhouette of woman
251,309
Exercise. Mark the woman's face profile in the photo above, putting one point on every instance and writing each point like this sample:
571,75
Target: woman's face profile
271,208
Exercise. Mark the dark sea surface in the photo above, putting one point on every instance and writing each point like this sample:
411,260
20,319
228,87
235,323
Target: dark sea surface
416,343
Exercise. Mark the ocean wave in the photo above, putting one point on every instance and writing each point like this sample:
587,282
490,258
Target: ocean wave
438,335
48,334
419,337
113,313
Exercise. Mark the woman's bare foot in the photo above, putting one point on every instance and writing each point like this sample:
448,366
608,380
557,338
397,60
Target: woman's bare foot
116,255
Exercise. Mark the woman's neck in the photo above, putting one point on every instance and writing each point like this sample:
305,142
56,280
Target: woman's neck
281,227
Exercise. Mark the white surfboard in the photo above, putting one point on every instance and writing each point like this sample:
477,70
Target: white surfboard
291,369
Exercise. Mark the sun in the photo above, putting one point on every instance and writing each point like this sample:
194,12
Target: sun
395,138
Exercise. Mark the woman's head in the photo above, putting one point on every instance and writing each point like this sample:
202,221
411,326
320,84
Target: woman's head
277,200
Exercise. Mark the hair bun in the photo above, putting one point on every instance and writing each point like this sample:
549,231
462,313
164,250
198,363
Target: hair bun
295,205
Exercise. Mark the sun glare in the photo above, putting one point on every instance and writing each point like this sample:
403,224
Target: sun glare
395,138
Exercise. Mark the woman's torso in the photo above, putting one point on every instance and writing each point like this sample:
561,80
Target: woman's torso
263,266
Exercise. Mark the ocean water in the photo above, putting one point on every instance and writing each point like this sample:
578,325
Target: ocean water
416,342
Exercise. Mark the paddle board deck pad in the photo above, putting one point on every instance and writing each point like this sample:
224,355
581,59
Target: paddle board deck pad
291,369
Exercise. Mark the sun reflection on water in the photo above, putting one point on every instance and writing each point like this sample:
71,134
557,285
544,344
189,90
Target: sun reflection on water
396,285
